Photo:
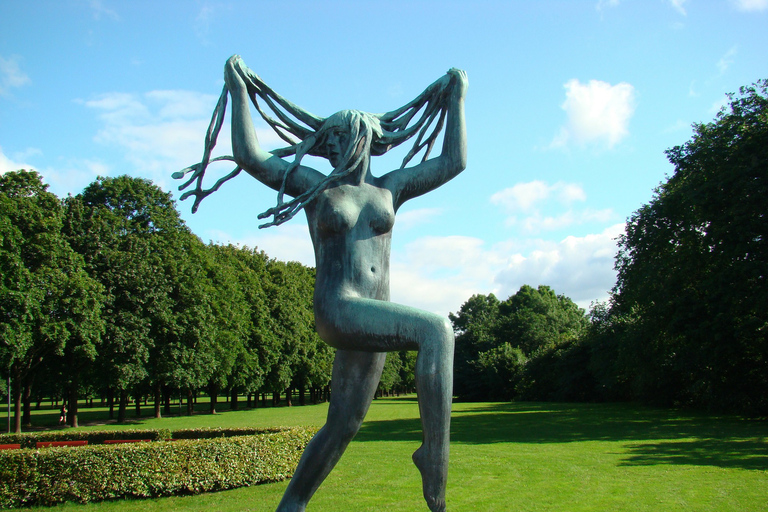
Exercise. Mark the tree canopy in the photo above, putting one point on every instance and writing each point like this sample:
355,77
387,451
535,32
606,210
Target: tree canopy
692,266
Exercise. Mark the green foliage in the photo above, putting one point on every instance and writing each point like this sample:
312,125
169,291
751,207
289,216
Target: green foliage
496,340
30,439
109,293
691,268
101,472
50,306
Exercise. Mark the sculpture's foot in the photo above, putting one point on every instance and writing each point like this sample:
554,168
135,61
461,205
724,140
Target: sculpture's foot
433,480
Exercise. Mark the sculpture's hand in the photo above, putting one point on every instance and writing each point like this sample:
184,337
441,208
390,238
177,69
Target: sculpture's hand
459,81
232,75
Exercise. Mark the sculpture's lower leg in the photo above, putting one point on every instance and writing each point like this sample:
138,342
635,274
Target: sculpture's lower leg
355,379
434,383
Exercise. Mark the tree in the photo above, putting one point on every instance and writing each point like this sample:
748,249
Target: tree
691,267
475,326
496,340
50,306
534,319
137,246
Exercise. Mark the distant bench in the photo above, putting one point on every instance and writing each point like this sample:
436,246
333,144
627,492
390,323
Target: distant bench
120,441
10,447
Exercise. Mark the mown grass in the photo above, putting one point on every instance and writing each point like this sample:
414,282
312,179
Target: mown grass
514,457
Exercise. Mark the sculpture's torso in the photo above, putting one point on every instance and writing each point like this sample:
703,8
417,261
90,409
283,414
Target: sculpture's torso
351,229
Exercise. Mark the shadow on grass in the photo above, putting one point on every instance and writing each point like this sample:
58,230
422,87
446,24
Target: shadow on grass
673,437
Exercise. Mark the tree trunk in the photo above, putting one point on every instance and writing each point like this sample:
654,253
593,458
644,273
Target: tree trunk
158,400
190,403
138,406
167,398
17,410
121,407
26,417
214,392
289,397
302,399
111,403
233,400
72,412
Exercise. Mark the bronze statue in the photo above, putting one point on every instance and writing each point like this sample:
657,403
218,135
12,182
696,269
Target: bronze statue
351,214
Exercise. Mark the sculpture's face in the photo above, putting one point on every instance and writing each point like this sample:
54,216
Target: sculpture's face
336,142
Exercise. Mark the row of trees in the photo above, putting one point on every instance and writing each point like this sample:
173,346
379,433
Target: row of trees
687,322
108,293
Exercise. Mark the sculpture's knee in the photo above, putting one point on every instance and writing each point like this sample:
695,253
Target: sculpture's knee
442,333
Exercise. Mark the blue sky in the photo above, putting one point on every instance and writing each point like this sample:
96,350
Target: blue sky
571,105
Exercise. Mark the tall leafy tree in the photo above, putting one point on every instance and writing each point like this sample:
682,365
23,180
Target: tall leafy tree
537,318
136,245
475,325
691,266
50,306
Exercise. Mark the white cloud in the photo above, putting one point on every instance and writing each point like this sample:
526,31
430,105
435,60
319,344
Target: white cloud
99,10
440,273
8,165
579,267
69,177
525,196
602,4
678,6
161,132
598,113
11,75
719,105
726,60
411,218
751,5
537,223
291,242
530,199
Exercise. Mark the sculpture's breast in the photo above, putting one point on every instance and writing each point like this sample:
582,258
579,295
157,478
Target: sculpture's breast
348,208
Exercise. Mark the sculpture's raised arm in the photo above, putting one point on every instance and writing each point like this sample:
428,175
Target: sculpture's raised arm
248,153
411,182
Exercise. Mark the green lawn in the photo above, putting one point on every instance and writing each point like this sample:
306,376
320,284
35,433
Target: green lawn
515,457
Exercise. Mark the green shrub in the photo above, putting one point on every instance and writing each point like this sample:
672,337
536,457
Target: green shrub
30,439
101,472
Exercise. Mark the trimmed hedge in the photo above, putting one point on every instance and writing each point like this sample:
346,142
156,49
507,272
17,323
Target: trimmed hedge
142,470
30,439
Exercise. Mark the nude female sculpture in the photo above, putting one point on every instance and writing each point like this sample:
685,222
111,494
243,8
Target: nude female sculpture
350,215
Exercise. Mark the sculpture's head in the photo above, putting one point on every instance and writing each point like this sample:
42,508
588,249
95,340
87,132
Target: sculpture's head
346,136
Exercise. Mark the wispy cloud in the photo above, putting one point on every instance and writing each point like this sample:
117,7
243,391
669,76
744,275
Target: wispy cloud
440,273
11,75
726,60
160,132
526,202
597,113
751,5
678,6
602,4
7,165
409,219
100,10
526,196
68,177
578,267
